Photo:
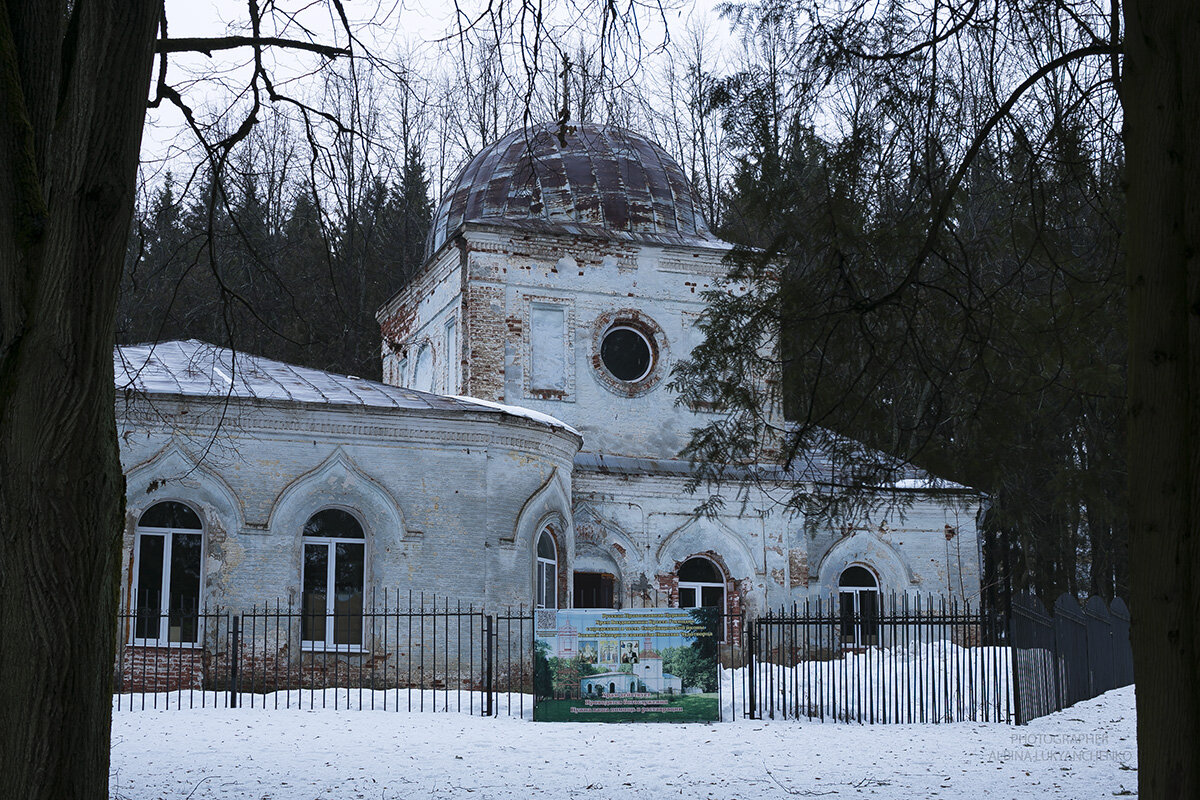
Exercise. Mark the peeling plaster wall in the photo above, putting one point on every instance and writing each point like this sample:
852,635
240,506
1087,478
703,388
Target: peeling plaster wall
647,525
931,546
438,495
642,523
597,282
418,316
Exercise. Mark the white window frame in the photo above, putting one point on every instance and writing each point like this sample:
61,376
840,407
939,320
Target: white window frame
164,623
545,573
699,586
330,543
646,340
856,593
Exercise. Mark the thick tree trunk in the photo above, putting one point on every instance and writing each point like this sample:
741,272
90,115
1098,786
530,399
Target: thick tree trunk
74,78
1161,98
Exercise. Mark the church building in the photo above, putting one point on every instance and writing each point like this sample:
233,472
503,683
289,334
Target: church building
523,447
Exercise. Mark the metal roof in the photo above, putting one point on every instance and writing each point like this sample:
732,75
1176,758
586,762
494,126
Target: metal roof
583,179
193,368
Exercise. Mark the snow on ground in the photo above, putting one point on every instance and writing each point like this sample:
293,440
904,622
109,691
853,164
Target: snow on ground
1085,752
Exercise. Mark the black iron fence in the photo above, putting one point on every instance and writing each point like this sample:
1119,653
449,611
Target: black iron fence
850,658
897,659
413,653
1075,653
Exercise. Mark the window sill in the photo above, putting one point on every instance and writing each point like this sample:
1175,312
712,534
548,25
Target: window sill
321,647
157,644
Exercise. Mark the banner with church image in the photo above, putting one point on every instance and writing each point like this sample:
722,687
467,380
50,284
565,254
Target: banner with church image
631,665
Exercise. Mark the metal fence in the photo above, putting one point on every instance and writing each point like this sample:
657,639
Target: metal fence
1075,653
897,659
398,652
859,659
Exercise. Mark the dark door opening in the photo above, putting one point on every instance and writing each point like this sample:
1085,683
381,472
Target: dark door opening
594,590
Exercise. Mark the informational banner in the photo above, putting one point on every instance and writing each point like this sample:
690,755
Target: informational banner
631,665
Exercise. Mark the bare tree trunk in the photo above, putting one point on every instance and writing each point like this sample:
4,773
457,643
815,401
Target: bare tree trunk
74,79
1161,97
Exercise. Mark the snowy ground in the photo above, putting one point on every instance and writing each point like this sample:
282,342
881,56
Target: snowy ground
1083,753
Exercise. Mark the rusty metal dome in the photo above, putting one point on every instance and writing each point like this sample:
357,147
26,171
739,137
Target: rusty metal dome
581,179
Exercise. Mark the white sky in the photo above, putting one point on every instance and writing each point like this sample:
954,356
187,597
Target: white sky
387,27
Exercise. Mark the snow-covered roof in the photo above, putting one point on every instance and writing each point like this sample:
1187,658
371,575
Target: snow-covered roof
192,368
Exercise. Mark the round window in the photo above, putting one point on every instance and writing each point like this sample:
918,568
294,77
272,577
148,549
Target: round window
626,354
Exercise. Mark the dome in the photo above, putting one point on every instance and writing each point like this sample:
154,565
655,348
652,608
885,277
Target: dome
585,179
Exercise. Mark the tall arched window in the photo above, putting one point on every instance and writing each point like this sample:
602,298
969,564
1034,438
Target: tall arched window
858,595
547,571
701,585
332,600
166,582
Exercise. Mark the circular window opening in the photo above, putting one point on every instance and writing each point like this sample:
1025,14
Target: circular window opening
626,354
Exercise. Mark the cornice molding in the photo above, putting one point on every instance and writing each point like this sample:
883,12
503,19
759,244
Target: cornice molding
255,417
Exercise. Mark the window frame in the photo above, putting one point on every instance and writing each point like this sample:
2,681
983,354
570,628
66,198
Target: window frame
859,624
647,340
545,571
699,586
328,644
168,535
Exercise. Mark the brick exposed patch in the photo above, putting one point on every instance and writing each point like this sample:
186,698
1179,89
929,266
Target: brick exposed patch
798,567
485,328
174,669
162,669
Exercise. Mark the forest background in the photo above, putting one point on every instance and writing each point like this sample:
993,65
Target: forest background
1001,368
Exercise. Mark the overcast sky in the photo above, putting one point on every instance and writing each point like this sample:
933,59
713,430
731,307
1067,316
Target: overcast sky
418,30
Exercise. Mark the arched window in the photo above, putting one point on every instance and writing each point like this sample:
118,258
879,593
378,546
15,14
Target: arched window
858,595
701,585
332,600
547,571
166,575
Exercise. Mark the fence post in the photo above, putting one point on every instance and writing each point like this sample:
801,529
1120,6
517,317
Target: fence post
489,652
1013,658
234,638
752,705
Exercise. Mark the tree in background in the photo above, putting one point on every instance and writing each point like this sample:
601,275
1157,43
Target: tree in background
925,313
998,366
284,281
